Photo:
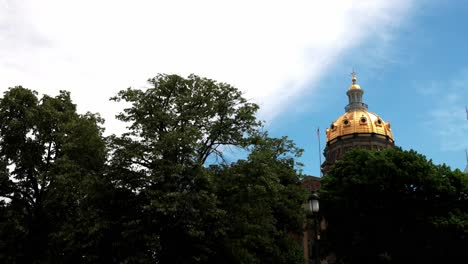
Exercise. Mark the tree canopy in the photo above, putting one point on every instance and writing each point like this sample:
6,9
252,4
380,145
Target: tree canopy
392,206
174,126
262,201
47,151
160,193
163,192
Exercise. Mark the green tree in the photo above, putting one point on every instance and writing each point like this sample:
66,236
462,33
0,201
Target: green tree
46,151
188,213
68,195
394,206
263,201
174,126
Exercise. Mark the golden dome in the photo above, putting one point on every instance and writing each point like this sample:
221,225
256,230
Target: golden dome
359,122
354,86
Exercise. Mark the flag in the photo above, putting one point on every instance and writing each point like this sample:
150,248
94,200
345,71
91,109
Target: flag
318,129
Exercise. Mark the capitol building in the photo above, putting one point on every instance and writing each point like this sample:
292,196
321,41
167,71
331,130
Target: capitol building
356,128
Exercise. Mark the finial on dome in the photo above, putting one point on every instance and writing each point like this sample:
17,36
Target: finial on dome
354,77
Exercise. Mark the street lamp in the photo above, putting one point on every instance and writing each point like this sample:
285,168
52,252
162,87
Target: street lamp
314,203
314,208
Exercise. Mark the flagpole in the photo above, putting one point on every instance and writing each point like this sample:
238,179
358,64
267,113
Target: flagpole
319,151
466,153
466,109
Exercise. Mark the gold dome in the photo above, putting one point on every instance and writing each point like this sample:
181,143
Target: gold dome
358,122
356,128
354,86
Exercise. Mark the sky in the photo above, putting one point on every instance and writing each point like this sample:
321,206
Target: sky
293,58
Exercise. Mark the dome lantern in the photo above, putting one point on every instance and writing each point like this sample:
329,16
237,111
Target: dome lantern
355,96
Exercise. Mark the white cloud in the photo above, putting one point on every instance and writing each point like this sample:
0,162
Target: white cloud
269,49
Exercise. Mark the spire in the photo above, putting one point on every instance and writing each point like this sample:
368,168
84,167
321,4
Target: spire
354,77
355,95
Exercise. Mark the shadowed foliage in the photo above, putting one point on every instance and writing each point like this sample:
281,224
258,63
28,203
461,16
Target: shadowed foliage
394,206
47,153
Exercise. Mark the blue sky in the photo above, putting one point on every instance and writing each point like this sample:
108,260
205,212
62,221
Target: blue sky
293,58
417,80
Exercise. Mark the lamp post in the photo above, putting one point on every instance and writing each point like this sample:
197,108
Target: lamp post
314,208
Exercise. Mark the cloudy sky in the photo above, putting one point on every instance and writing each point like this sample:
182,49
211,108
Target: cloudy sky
291,57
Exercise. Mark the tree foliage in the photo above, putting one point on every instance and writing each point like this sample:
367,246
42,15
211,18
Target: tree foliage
183,121
70,195
262,200
183,207
393,206
46,151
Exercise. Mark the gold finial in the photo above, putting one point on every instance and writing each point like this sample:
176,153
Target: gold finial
354,77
